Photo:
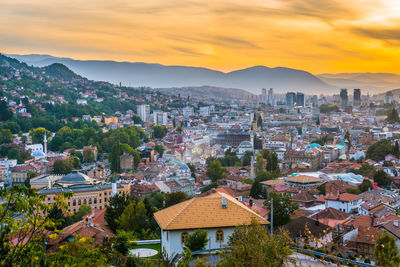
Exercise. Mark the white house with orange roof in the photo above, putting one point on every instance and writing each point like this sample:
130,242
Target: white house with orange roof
217,213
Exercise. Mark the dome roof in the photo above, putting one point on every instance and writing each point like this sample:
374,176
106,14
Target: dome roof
37,154
75,177
245,143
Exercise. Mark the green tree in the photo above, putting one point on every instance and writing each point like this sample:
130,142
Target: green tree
88,155
29,176
159,149
209,187
393,116
179,129
174,198
5,113
260,123
382,178
365,185
28,248
159,131
192,169
256,190
62,166
114,209
379,150
38,134
259,163
215,171
134,217
246,160
283,208
396,149
197,240
386,251
5,136
121,242
81,251
254,246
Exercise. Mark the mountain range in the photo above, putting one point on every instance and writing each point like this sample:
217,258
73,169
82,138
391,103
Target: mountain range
138,74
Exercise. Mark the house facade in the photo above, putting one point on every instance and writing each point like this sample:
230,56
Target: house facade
217,213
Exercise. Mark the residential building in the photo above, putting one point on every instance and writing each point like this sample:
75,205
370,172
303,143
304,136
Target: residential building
218,214
345,202
143,112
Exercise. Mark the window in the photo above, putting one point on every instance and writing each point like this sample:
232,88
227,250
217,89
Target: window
95,200
90,201
74,202
79,202
184,237
219,236
84,201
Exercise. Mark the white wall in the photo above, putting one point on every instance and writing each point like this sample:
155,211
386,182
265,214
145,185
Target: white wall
171,240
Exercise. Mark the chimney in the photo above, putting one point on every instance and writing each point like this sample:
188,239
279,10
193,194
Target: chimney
372,220
223,202
251,203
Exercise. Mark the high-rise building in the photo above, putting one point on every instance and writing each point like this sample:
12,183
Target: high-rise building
160,118
143,112
264,96
343,97
290,99
187,112
271,100
357,97
300,100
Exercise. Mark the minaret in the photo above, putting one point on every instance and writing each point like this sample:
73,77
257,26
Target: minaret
252,167
114,186
45,143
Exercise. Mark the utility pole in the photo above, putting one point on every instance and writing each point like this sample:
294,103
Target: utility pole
272,215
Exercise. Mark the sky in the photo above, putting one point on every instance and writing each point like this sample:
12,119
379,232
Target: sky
315,35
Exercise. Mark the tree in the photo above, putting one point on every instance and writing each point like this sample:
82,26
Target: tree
209,187
256,190
28,248
114,157
29,176
159,131
192,169
382,178
134,217
197,240
283,208
379,150
38,134
396,149
365,185
121,242
254,246
386,251
114,209
5,136
246,160
62,166
78,252
215,171
393,116
179,129
174,198
88,155
259,163
5,113
260,123
159,149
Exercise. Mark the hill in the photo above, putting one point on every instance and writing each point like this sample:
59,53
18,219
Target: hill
162,76
369,82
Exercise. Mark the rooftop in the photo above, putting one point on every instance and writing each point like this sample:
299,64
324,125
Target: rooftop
207,212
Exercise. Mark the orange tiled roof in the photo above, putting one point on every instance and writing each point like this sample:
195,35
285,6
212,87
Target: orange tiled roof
206,212
304,179
343,197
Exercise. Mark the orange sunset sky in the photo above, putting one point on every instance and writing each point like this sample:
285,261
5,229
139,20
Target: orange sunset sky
314,35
